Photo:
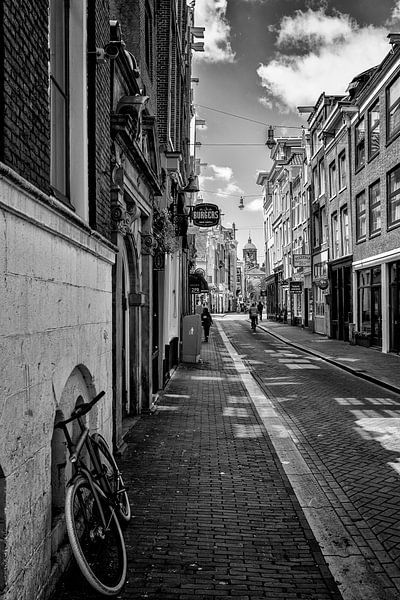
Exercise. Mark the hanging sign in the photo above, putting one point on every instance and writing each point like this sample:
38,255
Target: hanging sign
322,283
205,215
301,260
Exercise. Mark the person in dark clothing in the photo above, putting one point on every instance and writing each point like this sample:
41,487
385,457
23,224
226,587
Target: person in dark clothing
206,321
260,307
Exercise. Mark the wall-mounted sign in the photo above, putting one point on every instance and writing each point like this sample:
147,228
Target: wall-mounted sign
205,215
322,283
296,287
159,261
301,260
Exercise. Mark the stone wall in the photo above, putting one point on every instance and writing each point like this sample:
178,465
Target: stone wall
56,300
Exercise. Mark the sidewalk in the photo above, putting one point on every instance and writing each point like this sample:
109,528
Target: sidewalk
368,363
214,514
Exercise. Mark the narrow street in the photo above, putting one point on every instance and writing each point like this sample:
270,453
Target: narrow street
264,472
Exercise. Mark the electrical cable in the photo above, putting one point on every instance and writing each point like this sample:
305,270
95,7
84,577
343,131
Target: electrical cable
248,119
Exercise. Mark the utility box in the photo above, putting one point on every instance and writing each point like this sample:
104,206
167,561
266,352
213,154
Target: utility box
191,338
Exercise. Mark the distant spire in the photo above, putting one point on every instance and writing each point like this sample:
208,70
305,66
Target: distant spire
249,238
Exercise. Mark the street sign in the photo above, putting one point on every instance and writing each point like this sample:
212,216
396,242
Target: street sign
205,215
301,260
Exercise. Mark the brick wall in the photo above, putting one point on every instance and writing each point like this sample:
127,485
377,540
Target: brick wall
25,145
99,119
374,169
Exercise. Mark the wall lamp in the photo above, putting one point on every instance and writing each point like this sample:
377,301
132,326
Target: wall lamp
192,184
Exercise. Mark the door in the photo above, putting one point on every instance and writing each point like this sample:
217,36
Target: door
394,307
376,316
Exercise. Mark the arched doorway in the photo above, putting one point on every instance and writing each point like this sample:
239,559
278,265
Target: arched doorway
126,336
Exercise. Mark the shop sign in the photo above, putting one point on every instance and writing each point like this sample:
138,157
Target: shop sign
301,260
205,215
159,261
322,283
296,287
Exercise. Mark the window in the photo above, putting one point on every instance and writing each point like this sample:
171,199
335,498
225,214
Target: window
342,170
374,135
360,144
316,230
315,182
393,108
335,235
332,179
375,208
321,177
345,231
324,225
59,100
394,197
361,221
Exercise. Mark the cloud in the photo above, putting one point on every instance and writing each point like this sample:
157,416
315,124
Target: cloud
255,205
317,52
222,172
211,14
219,180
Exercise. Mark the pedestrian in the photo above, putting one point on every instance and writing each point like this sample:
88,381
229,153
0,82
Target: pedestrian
253,315
206,321
260,307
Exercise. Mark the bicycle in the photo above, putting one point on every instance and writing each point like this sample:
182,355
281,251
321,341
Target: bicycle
253,323
96,504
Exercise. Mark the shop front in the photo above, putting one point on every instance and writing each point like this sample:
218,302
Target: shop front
376,301
341,313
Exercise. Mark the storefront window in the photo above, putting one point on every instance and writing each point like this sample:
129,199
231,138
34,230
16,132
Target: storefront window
369,303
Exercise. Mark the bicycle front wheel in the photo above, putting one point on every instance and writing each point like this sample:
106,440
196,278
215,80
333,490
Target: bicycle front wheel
97,544
114,476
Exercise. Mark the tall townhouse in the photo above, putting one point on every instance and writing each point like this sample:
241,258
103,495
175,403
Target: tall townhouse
335,136
135,186
284,294
221,268
56,262
375,172
319,213
176,43
269,288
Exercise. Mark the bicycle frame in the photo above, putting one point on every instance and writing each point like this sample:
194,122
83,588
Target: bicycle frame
96,474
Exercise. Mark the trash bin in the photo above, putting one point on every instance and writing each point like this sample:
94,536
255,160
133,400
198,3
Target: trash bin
352,334
191,338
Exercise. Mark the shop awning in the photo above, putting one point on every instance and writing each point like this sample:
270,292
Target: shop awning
197,283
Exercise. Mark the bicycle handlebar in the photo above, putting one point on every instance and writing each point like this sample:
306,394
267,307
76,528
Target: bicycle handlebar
80,410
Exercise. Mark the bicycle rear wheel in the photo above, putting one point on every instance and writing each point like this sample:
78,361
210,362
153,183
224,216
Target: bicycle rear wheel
114,476
98,547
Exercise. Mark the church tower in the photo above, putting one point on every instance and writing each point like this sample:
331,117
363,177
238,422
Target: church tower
249,255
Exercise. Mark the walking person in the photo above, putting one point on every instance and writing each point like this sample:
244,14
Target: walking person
206,321
253,314
260,307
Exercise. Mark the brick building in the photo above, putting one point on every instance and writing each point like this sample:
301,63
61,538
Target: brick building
95,110
56,268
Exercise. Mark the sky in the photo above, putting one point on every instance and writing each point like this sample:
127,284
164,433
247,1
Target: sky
263,59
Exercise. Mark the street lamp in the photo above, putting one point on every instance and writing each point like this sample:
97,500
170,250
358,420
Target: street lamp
270,143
